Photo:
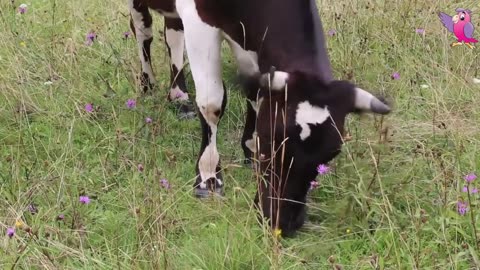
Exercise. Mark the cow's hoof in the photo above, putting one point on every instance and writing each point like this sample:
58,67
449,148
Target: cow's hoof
251,164
186,110
203,193
146,85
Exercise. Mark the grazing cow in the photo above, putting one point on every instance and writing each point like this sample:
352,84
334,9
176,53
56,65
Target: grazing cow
295,109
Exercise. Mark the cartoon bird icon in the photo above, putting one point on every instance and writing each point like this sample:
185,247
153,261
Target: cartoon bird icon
461,26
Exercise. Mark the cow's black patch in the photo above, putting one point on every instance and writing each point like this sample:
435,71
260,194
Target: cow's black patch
146,49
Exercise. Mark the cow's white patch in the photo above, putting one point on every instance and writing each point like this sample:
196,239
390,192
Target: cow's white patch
176,43
142,33
309,114
251,143
203,50
279,80
247,61
209,160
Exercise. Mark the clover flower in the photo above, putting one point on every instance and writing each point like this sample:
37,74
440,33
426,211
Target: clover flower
470,177
22,9
462,208
323,169
90,37
84,200
89,107
131,103
10,232
164,183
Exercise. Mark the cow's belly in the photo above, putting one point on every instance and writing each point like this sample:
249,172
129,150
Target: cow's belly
168,14
164,7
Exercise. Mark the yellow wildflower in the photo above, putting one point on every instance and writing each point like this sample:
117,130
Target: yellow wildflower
19,224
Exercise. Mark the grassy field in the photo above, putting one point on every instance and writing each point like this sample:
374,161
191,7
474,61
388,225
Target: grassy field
391,201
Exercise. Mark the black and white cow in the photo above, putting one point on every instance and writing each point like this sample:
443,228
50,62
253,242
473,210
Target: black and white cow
296,110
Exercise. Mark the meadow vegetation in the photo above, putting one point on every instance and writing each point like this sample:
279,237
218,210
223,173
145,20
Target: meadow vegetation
394,198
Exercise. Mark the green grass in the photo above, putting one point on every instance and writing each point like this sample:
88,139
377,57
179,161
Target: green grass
390,203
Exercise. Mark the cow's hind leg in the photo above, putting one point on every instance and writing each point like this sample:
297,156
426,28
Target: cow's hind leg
141,25
249,134
203,51
174,39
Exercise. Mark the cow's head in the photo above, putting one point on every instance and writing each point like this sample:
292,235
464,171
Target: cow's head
300,124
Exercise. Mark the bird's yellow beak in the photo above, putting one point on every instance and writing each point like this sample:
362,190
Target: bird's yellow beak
455,19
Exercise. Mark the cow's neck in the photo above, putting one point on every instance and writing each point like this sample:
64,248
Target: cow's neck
296,44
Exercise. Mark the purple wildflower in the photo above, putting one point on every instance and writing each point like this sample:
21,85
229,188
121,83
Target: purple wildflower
396,76
148,120
84,199
313,185
474,191
140,167
470,177
10,232
22,9
465,189
61,217
323,169
91,36
131,103
462,208
126,34
164,183
89,107
332,32
420,31
32,209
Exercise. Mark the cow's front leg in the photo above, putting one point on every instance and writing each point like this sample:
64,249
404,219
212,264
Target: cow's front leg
203,51
174,39
141,25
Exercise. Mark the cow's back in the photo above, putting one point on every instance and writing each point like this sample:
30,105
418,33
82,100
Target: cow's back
287,34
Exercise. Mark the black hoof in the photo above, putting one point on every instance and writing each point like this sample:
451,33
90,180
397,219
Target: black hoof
147,87
251,164
185,109
203,193
248,163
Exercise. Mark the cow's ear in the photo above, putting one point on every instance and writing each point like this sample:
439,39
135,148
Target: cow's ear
274,80
364,101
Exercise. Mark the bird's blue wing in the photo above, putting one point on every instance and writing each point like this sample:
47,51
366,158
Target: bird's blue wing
446,20
468,30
